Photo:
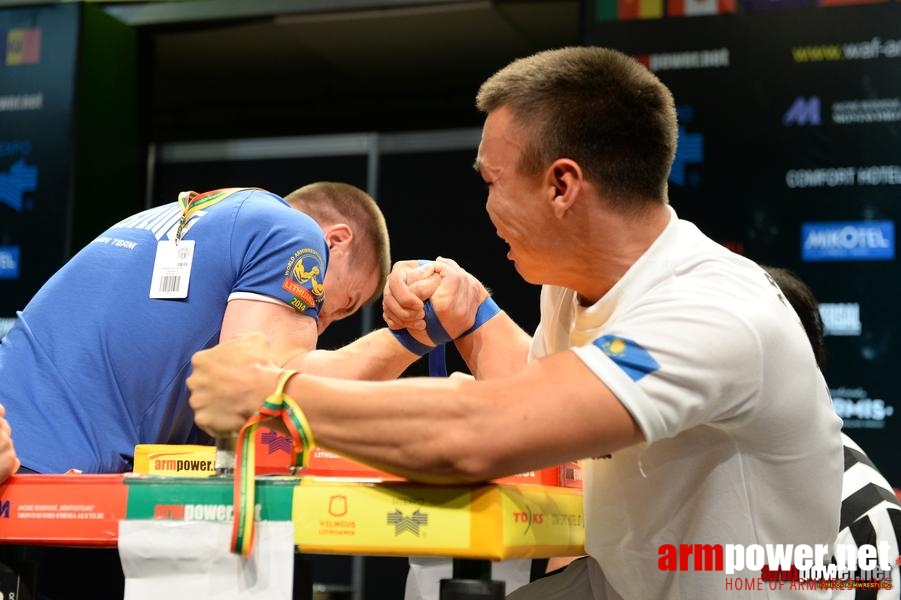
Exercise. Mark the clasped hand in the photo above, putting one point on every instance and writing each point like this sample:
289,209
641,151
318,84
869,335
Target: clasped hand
9,463
454,295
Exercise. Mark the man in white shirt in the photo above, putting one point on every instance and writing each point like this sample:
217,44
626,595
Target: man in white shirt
672,365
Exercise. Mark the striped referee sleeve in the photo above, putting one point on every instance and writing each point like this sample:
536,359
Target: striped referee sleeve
870,513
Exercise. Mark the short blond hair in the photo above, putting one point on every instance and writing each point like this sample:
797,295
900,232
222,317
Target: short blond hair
331,202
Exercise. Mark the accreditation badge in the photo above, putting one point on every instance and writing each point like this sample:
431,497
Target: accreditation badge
172,269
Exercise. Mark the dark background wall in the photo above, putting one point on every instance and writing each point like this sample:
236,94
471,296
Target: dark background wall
789,153
71,155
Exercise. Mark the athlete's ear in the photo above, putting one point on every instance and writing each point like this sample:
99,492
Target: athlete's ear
564,181
338,236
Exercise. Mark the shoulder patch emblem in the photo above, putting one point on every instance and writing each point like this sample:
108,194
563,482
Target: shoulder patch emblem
630,356
304,279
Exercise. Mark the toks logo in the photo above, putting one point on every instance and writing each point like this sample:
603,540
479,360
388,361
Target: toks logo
529,518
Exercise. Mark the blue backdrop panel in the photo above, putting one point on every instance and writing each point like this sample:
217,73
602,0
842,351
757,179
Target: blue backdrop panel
37,79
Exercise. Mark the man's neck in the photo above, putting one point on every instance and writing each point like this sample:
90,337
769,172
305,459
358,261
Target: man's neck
613,243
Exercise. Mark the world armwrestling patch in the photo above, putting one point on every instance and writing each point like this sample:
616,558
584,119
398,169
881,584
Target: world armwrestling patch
630,356
304,279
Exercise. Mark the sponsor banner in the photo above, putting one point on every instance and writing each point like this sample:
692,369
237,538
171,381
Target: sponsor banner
848,240
713,58
803,111
807,111
20,102
209,499
62,509
36,109
492,521
9,262
871,49
867,110
330,515
840,318
859,410
829,177
182,460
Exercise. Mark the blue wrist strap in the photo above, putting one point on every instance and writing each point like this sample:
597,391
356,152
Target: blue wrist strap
437,362
433,325
487,309
410,343
438,334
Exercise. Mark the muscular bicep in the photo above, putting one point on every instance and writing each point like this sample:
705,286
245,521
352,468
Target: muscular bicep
290,333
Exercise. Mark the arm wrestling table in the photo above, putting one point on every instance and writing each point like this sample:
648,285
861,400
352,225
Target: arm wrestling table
331,515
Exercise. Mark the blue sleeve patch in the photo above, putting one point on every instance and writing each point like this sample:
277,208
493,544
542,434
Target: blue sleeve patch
630,356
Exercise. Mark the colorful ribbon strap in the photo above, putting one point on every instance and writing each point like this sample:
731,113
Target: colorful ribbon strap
278,405
191,202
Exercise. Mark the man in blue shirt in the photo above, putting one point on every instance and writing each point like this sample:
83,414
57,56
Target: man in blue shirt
97,361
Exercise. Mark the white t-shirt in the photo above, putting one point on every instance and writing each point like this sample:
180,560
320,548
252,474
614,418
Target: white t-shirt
742,443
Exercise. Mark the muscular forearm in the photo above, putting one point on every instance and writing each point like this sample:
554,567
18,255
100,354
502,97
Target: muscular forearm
496,349
423,429
443,430
375,356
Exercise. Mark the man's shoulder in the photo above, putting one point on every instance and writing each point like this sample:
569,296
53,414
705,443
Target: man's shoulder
262,204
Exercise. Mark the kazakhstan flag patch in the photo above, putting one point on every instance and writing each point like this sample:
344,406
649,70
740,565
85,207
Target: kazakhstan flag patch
628,355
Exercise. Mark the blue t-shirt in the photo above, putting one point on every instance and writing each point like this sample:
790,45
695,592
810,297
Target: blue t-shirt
93,365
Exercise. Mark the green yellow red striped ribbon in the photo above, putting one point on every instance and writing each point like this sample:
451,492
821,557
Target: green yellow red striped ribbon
278,405
190,202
